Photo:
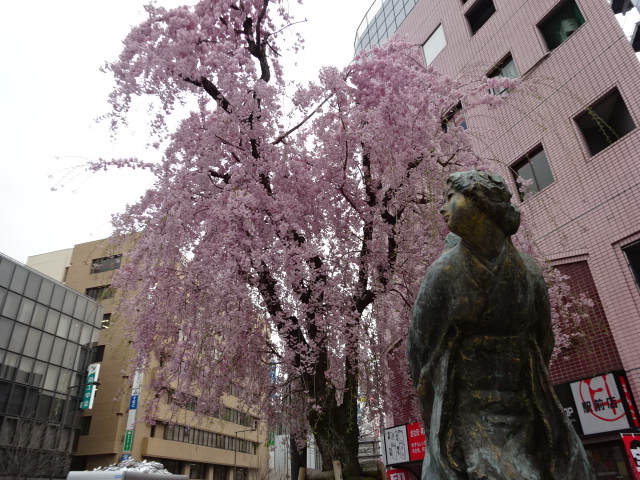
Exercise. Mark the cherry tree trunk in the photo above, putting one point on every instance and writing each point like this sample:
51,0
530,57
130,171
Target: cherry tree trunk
335,429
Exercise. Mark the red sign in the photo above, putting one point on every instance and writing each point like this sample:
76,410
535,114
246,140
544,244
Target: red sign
417,441
399,474
632,446
627,396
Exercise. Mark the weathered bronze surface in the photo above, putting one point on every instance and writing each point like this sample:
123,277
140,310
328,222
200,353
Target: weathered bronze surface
479,347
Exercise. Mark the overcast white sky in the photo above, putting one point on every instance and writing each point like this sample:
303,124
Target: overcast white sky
51,92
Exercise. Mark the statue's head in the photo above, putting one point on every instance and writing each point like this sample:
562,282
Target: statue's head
490,194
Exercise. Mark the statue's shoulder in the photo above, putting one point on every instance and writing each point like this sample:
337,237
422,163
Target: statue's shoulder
530,264
445,265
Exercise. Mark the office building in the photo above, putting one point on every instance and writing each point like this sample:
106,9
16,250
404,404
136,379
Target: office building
48,334
574,136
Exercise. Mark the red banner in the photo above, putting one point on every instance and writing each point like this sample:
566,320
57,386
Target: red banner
417,441
632,446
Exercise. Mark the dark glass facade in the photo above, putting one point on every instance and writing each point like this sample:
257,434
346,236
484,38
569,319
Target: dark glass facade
47,338
381,21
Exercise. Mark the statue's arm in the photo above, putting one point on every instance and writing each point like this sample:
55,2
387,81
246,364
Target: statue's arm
427,324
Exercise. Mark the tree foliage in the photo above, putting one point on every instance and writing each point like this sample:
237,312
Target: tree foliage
283,241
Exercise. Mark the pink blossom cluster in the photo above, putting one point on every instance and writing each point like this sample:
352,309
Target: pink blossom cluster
279,252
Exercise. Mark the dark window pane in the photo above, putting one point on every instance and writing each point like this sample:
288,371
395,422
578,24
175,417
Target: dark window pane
44,406
479,13
632,253
6,272
561,24
51,378
23,373
53,317
9,366
26,311
6,326
58,351
534,167
18,337
70,356
81,307
100,293
11,305
39,316
69,303
19,280
541,170
33,286
63,326
5,390
39,371
44,350
105,264
16,399
526,172
58,297
76,329
46,290
33,342
604,122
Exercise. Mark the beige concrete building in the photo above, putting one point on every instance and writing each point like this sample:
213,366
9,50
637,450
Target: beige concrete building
202,448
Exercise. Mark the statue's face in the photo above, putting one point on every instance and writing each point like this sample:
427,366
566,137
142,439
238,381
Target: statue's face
461,213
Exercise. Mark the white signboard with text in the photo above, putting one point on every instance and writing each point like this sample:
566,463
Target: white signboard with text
396,447
600,407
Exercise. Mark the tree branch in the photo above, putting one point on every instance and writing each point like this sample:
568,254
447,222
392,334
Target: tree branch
302,122
212,90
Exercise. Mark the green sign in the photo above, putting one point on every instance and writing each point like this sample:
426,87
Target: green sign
90,388
128,440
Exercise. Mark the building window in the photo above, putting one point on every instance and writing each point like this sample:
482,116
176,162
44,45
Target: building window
534,167
100,293
604,122
506,68
454,118
99,354
106,321
105,264
632,253
196,471
561,23
479,13
434,45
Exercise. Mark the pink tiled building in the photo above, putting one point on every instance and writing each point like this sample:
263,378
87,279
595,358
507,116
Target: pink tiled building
575,136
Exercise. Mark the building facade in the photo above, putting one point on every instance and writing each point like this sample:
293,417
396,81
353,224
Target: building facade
574,137
231,445
48,334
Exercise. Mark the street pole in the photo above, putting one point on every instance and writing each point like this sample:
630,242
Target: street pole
235,450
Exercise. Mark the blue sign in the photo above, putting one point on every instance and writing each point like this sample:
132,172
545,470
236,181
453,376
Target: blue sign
125,456
133,403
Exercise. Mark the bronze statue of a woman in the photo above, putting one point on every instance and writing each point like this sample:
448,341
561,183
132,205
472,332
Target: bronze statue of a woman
479,346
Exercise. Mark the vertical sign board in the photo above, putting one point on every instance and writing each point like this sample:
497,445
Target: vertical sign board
133,408
90,390
600,406
417,441
396,447
632,446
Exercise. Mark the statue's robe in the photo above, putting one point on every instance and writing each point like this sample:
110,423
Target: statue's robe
479,346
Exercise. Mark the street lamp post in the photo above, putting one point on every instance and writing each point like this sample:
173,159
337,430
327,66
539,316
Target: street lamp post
235,450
